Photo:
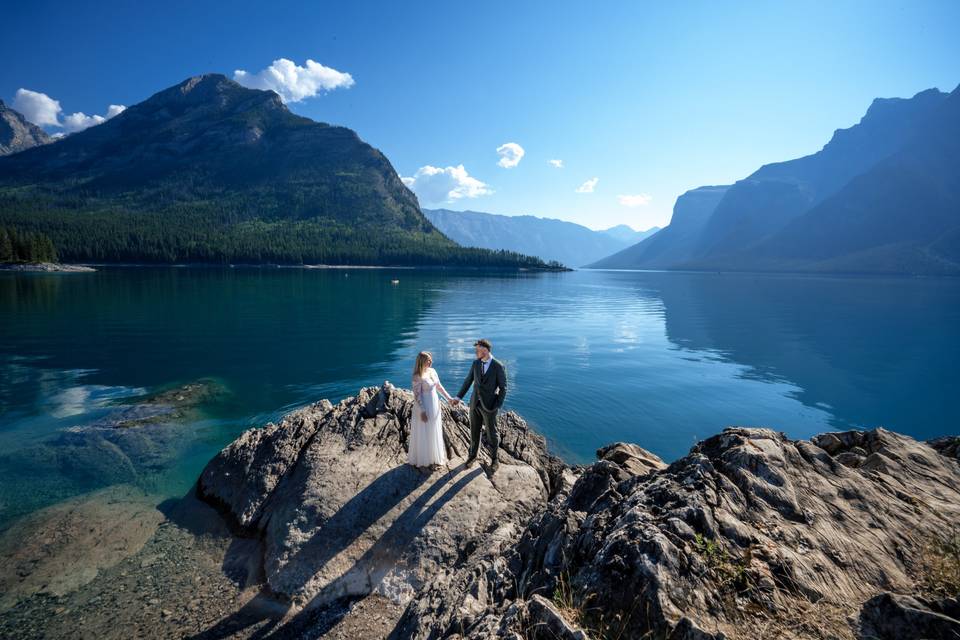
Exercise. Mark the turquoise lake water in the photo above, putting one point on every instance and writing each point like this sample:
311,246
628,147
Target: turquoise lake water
660,359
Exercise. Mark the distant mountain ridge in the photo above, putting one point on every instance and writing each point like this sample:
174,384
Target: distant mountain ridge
547,238
882,196
210,171
626,233
17,133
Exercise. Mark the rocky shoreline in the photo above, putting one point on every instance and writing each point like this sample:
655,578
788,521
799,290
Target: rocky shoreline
318,529
750,535
46,267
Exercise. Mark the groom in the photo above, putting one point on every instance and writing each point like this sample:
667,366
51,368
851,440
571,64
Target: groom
489,380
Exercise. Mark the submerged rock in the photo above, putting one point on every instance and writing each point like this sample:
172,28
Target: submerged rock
59,549
139,436
750,535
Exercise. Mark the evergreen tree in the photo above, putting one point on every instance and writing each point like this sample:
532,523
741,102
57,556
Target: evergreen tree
6,247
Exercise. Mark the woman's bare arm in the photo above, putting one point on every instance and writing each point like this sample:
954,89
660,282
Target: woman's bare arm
443,391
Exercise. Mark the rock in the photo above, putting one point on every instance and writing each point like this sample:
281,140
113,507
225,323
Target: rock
340,514
634,459
142,436
750,531
750,534
248,470
45,267
63,547
947,445
166,406
829,442
890,616
17,133
546,622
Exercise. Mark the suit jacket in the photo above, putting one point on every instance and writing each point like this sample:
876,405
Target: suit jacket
489,389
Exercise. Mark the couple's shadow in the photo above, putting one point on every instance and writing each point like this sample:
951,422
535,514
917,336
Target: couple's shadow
341,530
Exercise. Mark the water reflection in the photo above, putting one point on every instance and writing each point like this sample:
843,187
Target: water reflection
660,359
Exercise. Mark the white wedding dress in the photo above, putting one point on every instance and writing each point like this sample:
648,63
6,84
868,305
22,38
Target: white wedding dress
426,438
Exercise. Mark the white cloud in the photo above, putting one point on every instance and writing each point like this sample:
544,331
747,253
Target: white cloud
79,121
42,110
637,200
556,163
510,154
588,186
435,185
38,108
293,82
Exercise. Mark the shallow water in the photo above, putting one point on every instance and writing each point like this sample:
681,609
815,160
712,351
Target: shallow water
661,359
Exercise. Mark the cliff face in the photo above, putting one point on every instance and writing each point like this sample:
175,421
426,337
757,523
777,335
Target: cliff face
16,133
882,196
750,535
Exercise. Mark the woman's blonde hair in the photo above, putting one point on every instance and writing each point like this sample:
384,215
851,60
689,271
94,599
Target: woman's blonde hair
421,363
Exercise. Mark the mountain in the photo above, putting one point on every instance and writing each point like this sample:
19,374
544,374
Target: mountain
628,235
16,134
674,243
881,197
547,238
777,193
210,171
903,214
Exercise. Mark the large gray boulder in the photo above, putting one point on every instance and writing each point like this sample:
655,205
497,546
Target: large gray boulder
339,513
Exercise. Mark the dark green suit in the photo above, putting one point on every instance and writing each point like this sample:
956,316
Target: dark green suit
489,391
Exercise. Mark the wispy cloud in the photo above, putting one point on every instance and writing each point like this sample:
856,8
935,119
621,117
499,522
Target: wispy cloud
294,82
556,163
434,185
588,186
637,200
44,111
510,154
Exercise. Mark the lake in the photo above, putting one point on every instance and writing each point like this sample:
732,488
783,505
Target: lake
657,358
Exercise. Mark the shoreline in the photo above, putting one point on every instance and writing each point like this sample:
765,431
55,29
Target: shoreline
46,267
91,266
194,565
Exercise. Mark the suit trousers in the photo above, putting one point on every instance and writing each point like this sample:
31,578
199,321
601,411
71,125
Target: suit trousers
478,419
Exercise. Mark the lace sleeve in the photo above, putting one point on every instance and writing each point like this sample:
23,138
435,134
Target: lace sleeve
417,391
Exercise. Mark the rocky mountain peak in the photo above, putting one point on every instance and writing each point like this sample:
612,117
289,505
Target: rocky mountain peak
213,92
16,133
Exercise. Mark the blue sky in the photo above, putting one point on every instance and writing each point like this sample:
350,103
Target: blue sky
647,99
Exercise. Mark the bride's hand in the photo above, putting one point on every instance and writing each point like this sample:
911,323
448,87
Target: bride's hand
423,416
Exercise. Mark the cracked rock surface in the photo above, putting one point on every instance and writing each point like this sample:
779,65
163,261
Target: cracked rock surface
339,513
750,535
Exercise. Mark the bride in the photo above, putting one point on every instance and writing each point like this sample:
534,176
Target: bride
426,432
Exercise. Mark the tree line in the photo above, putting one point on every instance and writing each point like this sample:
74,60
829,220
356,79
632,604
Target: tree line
25,246
186,236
